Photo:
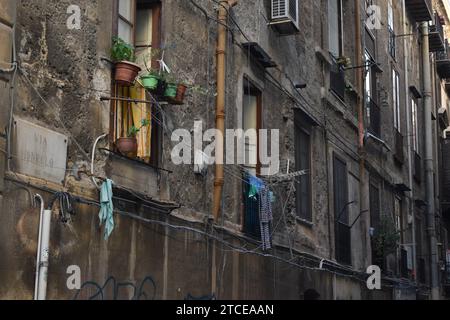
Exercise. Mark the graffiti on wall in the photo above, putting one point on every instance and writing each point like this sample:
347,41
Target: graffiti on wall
112,289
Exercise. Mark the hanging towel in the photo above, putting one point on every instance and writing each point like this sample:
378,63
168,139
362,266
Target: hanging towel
265,217
255,186
106,214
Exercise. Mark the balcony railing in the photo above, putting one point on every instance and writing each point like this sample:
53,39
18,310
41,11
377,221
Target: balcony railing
436,35
374,118
337,80
421,10
392,44
443,62
399,153
417,167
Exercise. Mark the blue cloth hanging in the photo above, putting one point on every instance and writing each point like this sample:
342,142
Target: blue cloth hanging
256,185
106,214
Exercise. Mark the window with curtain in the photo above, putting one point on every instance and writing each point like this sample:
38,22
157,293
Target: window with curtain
138,25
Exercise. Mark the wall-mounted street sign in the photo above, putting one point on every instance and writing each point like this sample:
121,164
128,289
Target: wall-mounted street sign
38,151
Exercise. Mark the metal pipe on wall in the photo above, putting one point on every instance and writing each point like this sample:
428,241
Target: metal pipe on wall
429,170
44,255
224,6
409,135
40,290
38,253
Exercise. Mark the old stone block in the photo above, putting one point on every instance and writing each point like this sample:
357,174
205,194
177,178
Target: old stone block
7,11
6,39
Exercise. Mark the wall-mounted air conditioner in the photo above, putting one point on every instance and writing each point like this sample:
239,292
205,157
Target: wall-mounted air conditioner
285,16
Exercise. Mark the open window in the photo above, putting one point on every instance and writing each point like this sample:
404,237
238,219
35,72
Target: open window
137,23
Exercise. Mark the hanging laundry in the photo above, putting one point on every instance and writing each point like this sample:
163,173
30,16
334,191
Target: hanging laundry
106,214
265,217
255,186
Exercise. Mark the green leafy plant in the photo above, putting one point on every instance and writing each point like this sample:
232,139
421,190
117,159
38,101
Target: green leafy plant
386,237
133,131
122,51
344,61
170,78
154,54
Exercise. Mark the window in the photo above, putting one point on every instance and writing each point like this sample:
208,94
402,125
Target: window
392,36
375,213
372,109
335,28
341,212
415,126
137,23
396,99
374,195
127,15
303,162
251,123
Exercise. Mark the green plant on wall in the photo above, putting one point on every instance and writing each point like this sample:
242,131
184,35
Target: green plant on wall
133,131
386,237
122,51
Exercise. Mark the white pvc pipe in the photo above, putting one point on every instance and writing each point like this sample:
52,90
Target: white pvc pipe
44,255
93,158
38,252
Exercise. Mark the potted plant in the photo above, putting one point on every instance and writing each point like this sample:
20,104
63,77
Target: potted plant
151,80
171,87
181,91
123,56
129,146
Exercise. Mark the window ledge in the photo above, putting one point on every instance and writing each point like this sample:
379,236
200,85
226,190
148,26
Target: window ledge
341,107
323,55
304,222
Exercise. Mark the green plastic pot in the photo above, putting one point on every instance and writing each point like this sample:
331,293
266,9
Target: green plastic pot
171,90
150,81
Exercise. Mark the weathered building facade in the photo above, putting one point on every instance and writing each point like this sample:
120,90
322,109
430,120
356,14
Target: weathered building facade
344,85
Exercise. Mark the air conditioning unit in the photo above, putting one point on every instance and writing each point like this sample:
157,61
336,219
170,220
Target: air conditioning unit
285,16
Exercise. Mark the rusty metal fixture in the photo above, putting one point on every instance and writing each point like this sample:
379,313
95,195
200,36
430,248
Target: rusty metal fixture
126,72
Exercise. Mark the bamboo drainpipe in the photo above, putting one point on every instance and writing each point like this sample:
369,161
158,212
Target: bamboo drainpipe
224,6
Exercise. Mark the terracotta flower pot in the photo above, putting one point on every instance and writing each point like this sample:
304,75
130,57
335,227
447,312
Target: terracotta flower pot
127,146
181,91
126,72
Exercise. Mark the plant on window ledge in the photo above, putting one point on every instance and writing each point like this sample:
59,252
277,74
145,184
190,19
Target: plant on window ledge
153,80
344,62
385,238
123,56
129,146
175,90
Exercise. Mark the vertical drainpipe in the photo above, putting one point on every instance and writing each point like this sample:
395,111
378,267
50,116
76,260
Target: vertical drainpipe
429,170
360,103
224,6
408,136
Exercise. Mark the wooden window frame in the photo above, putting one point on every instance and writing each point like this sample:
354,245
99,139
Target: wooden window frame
254,90
156,143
